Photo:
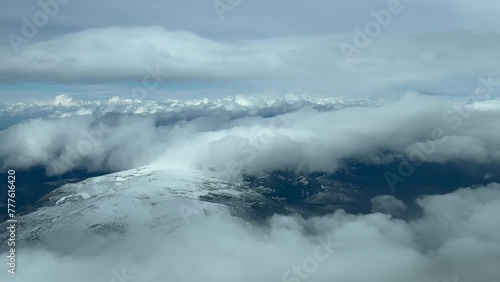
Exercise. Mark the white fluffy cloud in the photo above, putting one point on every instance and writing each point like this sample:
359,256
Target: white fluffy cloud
159,55
229,137
456,237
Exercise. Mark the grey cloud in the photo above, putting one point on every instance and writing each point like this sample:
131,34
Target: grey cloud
253,19
235,138
105,54
220,248
160,56
431,46
388,204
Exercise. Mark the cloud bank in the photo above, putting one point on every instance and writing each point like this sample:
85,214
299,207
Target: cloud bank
456,237
229,137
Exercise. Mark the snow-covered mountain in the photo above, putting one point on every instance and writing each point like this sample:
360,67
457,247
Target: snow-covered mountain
167,198
145,196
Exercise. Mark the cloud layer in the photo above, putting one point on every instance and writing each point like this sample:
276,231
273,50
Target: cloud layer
238,135
152,55
456,237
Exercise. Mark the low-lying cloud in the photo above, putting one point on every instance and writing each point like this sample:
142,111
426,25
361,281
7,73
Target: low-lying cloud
250,136
455,239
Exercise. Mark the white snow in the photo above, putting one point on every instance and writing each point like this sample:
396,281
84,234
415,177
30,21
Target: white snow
155,198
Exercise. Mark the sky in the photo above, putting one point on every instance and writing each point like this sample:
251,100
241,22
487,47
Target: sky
195,49
234,88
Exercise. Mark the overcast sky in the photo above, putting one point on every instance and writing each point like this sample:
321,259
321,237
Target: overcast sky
219,48
75,67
